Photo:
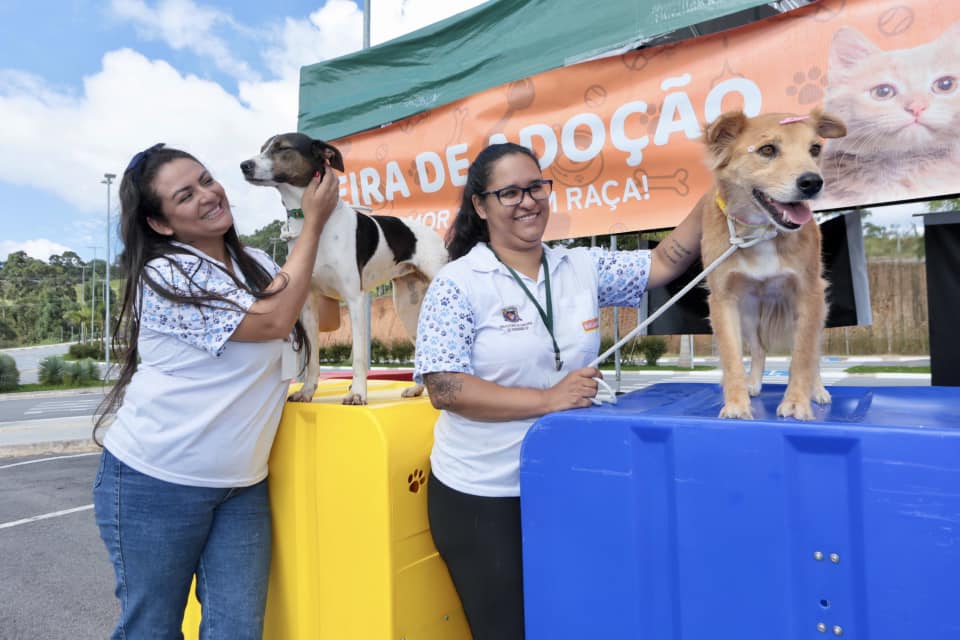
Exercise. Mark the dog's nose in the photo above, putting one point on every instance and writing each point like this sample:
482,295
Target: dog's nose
247,167
809,184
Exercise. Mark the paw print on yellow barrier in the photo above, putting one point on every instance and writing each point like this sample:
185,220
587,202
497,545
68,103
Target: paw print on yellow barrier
416,481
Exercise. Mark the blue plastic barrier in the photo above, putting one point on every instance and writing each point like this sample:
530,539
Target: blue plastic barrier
654,519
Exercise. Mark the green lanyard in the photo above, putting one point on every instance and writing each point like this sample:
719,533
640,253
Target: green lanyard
547,315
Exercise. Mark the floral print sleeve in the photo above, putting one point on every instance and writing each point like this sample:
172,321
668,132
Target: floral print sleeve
622,276
446,331
201,327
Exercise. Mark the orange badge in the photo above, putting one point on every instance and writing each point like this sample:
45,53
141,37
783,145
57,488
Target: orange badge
592,324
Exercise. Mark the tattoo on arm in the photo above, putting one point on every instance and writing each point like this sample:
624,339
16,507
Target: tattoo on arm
676,252
443,388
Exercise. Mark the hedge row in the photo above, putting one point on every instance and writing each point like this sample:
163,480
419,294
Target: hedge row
651,348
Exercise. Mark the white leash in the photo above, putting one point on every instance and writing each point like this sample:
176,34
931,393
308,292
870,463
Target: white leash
768,232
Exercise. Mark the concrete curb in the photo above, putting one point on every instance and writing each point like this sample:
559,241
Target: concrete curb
83,445
18,395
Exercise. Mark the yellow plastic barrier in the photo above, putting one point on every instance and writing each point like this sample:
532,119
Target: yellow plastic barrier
352,554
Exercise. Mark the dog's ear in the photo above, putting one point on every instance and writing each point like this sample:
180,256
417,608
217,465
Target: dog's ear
827,125
722,133
327,154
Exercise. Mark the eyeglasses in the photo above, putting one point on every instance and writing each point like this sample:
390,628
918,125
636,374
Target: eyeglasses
512,195
140,157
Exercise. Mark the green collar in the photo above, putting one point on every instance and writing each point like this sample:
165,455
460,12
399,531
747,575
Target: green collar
295,213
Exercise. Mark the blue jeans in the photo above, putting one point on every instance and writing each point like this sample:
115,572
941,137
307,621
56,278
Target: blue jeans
160,534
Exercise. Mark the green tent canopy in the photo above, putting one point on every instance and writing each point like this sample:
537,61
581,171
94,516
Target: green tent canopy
497,42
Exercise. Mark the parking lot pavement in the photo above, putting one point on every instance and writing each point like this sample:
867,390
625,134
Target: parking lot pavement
56,580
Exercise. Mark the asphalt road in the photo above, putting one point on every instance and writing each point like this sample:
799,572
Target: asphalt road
57,580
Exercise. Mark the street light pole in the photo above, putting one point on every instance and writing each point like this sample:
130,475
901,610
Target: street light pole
93,288
107,180
366,24
83,295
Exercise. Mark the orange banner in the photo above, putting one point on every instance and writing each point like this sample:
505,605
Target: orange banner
620,136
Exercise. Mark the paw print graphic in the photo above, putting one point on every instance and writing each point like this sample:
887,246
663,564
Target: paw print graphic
650,118
416,481
808,87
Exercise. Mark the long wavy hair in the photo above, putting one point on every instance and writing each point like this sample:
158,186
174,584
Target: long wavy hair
141,244
468,227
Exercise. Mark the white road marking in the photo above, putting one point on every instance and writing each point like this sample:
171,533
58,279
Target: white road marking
45,516
78,455
63,405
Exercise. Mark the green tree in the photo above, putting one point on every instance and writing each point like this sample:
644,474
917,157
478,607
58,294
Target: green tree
952,204
268,239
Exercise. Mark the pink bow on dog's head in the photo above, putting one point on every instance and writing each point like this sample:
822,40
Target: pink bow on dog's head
793,119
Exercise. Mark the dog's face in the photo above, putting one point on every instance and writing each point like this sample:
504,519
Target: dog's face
290,158
769,166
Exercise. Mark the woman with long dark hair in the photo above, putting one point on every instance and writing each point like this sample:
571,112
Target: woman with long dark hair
208,329
506,331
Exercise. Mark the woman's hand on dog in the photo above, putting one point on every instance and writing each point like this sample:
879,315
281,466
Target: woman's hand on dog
320,199
575,390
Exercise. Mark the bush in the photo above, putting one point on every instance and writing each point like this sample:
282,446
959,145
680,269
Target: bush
402,351
339,351
652,347
379,352
9,374
80,372
323,354
51,370
82,350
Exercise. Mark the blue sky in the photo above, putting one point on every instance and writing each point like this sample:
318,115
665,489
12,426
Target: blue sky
84,84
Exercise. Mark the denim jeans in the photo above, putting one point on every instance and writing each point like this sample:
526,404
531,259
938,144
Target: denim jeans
159,534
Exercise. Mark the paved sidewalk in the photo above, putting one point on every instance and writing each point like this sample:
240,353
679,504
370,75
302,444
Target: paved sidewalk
47,436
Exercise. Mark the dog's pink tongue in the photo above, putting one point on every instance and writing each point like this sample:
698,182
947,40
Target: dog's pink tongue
796,212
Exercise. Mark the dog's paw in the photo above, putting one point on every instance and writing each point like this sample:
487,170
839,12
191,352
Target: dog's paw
354,399
821,395
739,410
301,396
753,388
799,409
412,392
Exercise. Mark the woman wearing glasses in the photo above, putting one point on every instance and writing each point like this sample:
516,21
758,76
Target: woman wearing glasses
181,488
505,333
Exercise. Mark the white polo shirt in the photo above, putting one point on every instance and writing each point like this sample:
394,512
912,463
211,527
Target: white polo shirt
200,410
476,319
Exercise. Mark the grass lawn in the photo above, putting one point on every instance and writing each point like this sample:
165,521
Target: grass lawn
888,369
56,387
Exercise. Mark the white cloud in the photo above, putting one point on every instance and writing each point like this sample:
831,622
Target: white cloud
183,24
391,19
331,31
40,249
130,104
133,102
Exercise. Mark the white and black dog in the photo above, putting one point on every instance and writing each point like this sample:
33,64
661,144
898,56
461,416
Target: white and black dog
357,252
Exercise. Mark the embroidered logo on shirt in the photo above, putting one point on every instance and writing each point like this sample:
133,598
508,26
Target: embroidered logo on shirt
510,314
592,324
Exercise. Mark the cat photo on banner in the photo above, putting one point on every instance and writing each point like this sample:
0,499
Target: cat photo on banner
902,111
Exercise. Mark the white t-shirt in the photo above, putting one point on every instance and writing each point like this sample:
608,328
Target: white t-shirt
476,319
200,410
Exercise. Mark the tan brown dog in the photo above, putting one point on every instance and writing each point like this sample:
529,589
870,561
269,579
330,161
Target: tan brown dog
766,169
